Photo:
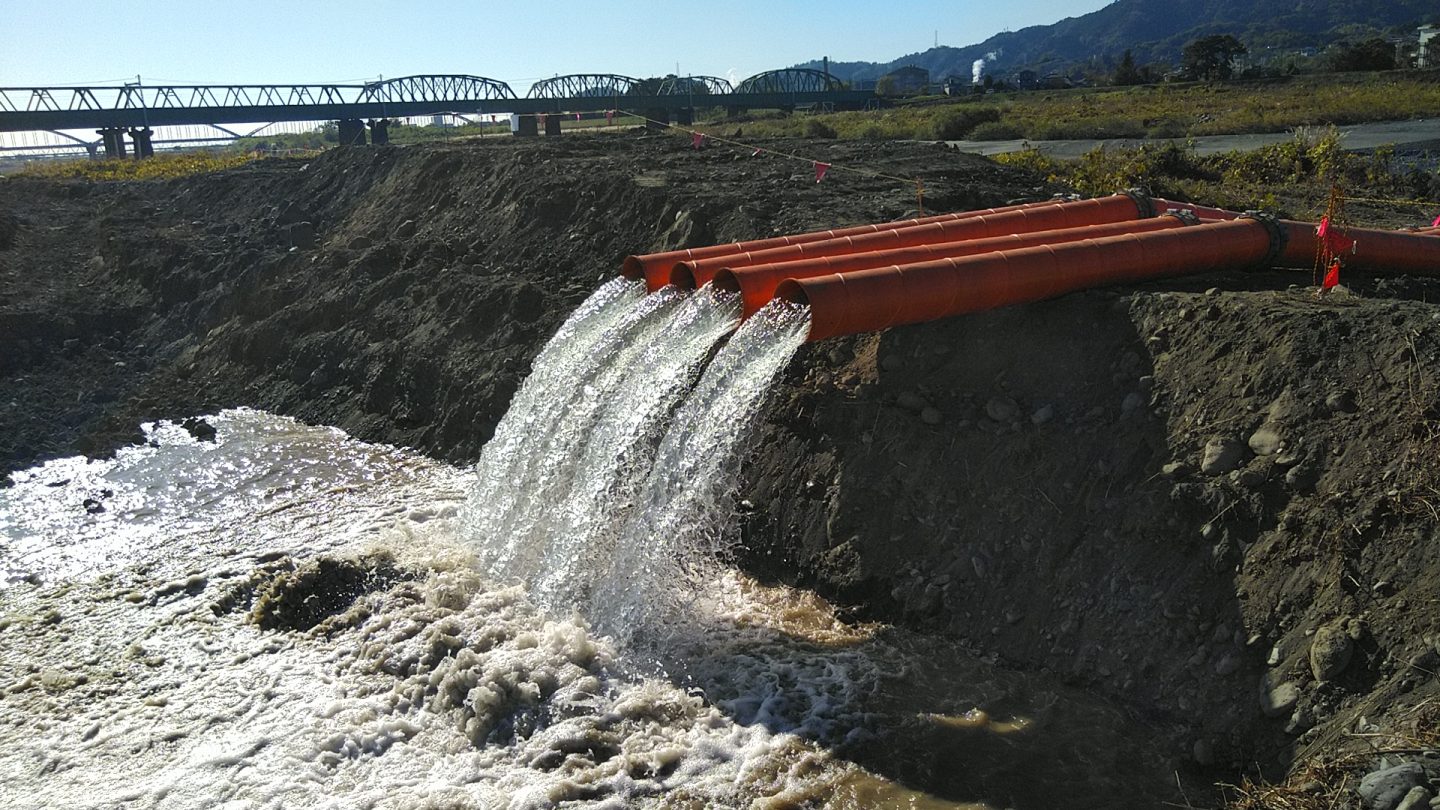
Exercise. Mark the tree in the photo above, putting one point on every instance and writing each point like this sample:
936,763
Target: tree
1209,58
1127,74
1372,54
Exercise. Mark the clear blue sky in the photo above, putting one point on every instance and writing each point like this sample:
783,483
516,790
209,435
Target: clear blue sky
56,42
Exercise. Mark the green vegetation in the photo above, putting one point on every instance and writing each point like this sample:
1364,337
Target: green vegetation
1157,111
1303,168
160,167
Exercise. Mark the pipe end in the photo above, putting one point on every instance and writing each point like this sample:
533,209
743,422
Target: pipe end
792,291
632,267
682,276
725,279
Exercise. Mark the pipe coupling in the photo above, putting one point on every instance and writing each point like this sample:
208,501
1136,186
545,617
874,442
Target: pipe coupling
1143,202
1278,237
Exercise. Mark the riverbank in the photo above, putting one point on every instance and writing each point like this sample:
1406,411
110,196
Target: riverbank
1166,494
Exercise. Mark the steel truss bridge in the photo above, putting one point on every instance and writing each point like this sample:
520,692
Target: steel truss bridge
139,107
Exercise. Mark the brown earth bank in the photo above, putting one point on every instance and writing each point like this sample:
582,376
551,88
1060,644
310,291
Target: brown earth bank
1214,500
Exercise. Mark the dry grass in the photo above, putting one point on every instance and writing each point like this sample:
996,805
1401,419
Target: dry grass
1327,782
160,167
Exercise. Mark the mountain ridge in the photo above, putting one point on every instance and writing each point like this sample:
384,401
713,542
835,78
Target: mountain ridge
1156,32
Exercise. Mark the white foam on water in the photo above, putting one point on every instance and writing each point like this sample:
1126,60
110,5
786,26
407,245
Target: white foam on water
577,445
144,681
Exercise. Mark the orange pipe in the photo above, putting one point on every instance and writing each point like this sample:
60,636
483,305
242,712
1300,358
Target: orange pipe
1204,212
1374,250
655,267
1117,208
756,283
869,300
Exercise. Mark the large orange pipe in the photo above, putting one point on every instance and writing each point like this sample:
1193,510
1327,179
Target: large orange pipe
655,267
756,283
1374,250
1117,208
869,300
1201,211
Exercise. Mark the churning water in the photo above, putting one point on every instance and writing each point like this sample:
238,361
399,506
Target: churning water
285,617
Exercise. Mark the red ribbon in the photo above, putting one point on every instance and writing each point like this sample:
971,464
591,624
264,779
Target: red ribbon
820,170
1436,223
1332,239
697,138
1332,276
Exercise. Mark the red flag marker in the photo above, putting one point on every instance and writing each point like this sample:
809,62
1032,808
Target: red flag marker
820,170
577,116
609,116
1332,276
1436,223
697,138
757,152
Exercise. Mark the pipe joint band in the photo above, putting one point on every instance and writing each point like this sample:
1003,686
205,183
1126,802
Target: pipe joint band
1143,202
1278,237
1185,215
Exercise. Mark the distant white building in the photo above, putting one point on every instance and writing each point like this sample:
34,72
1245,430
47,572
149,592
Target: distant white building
1422,53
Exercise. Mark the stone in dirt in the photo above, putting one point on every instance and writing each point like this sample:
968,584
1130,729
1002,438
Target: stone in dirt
1002,409
1279,701
1266,441
1330,651
1221,456
1385,789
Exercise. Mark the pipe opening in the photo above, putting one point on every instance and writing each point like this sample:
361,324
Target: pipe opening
682,277
726,280
632,267
792,291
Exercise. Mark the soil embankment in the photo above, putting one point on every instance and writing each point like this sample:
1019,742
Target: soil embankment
1217,506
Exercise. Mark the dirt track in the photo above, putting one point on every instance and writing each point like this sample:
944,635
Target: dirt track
1030,479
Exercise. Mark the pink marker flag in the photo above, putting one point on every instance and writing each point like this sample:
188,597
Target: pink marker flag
820,170
757,152
609,116
697,138
1436,223
577,116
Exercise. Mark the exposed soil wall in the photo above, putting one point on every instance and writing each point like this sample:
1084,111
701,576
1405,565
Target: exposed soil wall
1170,494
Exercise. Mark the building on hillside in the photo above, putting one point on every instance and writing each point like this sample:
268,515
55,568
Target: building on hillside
957,85
907,81
1027,80
1423,56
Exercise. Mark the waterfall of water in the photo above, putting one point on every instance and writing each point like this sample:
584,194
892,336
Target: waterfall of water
574,448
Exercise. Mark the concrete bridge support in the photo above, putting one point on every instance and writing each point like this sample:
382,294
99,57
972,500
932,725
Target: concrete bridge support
114,140
657,117
552,124
527,126
352,132
141,137
379,131
685,116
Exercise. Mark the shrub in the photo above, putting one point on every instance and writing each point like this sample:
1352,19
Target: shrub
956,123
996,131
815,128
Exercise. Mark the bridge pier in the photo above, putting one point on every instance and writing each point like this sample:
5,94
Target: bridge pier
114,140
657,117
141,137
379,131
352,132
527,126
552,124
685,116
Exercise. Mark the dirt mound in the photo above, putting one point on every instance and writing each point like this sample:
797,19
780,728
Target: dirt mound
398,293
1173,495
1218,507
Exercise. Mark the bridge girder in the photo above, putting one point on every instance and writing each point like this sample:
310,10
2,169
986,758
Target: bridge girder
790,80
437,87
694,85
585,85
